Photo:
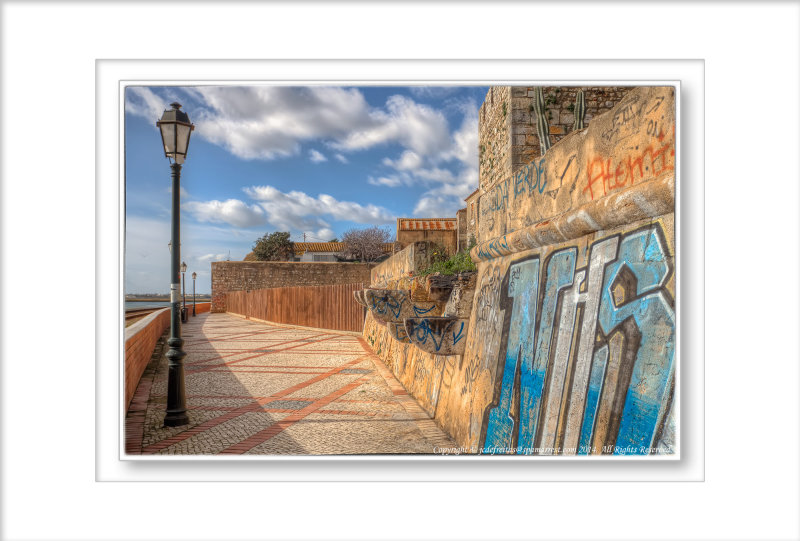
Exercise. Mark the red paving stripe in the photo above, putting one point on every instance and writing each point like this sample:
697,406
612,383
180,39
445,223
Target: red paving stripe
260,354
298,366
260,437
232,336
211,423
236,370
283,410
301,399
252,406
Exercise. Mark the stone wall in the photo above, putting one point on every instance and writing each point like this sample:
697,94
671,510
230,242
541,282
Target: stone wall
461,227
494,136
560,108
571,342
402,265
472,215
249,275
508,138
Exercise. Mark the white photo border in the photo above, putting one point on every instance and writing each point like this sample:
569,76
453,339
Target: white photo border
50,465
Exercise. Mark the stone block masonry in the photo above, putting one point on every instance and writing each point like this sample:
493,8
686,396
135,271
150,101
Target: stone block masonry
249,275
508,138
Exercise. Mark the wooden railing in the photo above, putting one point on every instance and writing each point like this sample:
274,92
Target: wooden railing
323,307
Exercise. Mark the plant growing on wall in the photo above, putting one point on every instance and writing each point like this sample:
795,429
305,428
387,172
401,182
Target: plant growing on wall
542,126
274,247
580,110
460,262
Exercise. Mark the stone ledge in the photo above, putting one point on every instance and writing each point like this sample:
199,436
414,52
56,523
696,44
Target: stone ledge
638,202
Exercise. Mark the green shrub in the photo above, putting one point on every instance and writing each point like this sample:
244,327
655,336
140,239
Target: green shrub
461,262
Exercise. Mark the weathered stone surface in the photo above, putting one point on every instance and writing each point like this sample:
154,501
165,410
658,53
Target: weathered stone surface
439,286
570,328
459,304
402,265
394,305
631,144
438,335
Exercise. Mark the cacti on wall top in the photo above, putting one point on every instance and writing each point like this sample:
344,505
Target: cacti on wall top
542,126
580,110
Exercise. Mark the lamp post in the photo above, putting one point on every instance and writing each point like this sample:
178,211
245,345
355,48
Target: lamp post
175,132
183,282
194,294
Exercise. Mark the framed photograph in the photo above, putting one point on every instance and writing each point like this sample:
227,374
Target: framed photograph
420,269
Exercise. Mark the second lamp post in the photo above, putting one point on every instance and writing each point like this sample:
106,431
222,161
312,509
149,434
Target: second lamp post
175,132
194,295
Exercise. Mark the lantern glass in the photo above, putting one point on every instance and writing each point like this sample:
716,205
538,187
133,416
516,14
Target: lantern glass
176,129
168,137
194,275
183,267
182,139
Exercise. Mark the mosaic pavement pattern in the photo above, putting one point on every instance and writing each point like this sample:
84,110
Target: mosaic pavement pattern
259,389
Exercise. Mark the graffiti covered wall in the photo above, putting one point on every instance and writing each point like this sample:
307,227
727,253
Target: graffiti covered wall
571,341
584,361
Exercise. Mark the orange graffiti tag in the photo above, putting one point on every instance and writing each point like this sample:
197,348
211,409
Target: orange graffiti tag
614,175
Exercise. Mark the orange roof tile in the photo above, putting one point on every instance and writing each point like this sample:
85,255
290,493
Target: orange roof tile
303,247
434,224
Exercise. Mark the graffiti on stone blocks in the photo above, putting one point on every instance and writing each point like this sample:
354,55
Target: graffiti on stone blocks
588,365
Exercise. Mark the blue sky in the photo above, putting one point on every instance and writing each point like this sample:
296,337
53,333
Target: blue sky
316,160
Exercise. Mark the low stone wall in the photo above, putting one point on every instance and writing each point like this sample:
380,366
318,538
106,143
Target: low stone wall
140,340
400,266
249,275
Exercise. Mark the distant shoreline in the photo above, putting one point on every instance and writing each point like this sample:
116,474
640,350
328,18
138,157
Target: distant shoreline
165,298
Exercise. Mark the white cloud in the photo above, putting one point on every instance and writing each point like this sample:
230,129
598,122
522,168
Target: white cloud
269,122
212,257
451,174
432,91
317,156
391,180
408,161
464,147
142,101
232,211
415,126
341,158
298,208
446,199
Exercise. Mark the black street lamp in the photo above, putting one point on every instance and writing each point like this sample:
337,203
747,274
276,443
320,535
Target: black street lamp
183,281
175,132
194,294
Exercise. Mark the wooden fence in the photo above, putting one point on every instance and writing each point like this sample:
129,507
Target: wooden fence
324,307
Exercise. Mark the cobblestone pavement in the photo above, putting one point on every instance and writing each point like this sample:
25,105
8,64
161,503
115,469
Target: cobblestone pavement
262,389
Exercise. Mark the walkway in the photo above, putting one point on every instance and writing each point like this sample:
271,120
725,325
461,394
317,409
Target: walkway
261,389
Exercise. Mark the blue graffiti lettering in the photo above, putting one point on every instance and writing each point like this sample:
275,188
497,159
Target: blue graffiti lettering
625,280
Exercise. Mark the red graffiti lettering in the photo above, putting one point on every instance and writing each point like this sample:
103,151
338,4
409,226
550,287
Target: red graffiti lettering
650,162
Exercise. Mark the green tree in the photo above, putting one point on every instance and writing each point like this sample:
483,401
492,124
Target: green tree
274,247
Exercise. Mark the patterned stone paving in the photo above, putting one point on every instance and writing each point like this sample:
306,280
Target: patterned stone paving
260,389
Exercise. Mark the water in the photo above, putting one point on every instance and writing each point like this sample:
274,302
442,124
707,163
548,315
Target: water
136,305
